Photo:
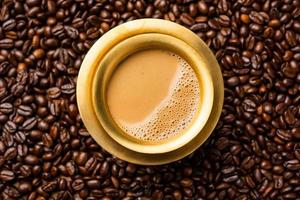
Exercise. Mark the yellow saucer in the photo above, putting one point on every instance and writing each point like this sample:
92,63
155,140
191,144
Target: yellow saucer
89,68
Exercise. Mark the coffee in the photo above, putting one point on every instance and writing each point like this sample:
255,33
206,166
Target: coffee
153,95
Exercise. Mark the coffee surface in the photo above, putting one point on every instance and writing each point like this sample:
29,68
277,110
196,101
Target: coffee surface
153,95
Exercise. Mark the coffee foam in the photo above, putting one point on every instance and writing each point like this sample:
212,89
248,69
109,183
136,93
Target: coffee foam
175,113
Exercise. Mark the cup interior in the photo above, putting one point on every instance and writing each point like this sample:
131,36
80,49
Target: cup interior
132,45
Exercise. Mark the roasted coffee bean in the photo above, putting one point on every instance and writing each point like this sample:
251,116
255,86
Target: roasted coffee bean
25,110
292,164
6,43
202,7
70,167
6,175
186,19
53,92
93,184
42,125
10,153
38,53
29,124
233,81
6,108
25,187
81,158
186,182
36,134
20,137
49,187
248,163
10,127
31,159
47,140
68,89
9,25
290,38
78,184
22,150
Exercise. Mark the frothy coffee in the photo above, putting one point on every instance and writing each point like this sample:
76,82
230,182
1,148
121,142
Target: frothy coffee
153,95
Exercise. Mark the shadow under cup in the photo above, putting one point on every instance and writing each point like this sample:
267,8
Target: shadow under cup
132,45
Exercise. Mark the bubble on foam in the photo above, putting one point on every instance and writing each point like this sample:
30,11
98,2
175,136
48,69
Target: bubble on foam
175,113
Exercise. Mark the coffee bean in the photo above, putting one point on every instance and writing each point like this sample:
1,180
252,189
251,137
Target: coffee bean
32,3
256,28
233,81
64,136
292,164
25,110
130,168
39,53
10,127
31,160
78,184
36,135
10,153
72,32
256,17
230,178
70,167
81,158
295,133
199,27
6,175
73,110
290,38
6,43
186,19
22,150
3,118
6,108
54,92
49,187
25,187
9,25
93,184
20,137
68,89
42,125
248,163
214,24
202,7
186,182
47,140
177,195
29,124
104,169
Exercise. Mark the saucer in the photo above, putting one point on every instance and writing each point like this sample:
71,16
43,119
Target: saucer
92,61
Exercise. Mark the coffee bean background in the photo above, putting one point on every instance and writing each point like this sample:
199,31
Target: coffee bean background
47,153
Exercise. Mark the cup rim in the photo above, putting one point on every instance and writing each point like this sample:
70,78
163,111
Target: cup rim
137,43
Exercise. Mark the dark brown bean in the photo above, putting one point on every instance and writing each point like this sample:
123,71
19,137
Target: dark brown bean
31,159
29,124
6,175
53,92
202,7
6,43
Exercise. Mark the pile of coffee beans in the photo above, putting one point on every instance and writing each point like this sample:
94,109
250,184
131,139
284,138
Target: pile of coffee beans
47,153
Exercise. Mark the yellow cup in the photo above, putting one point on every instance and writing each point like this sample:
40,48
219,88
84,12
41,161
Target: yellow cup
114,47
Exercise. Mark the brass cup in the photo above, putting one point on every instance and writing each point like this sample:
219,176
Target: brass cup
137,43
115,46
